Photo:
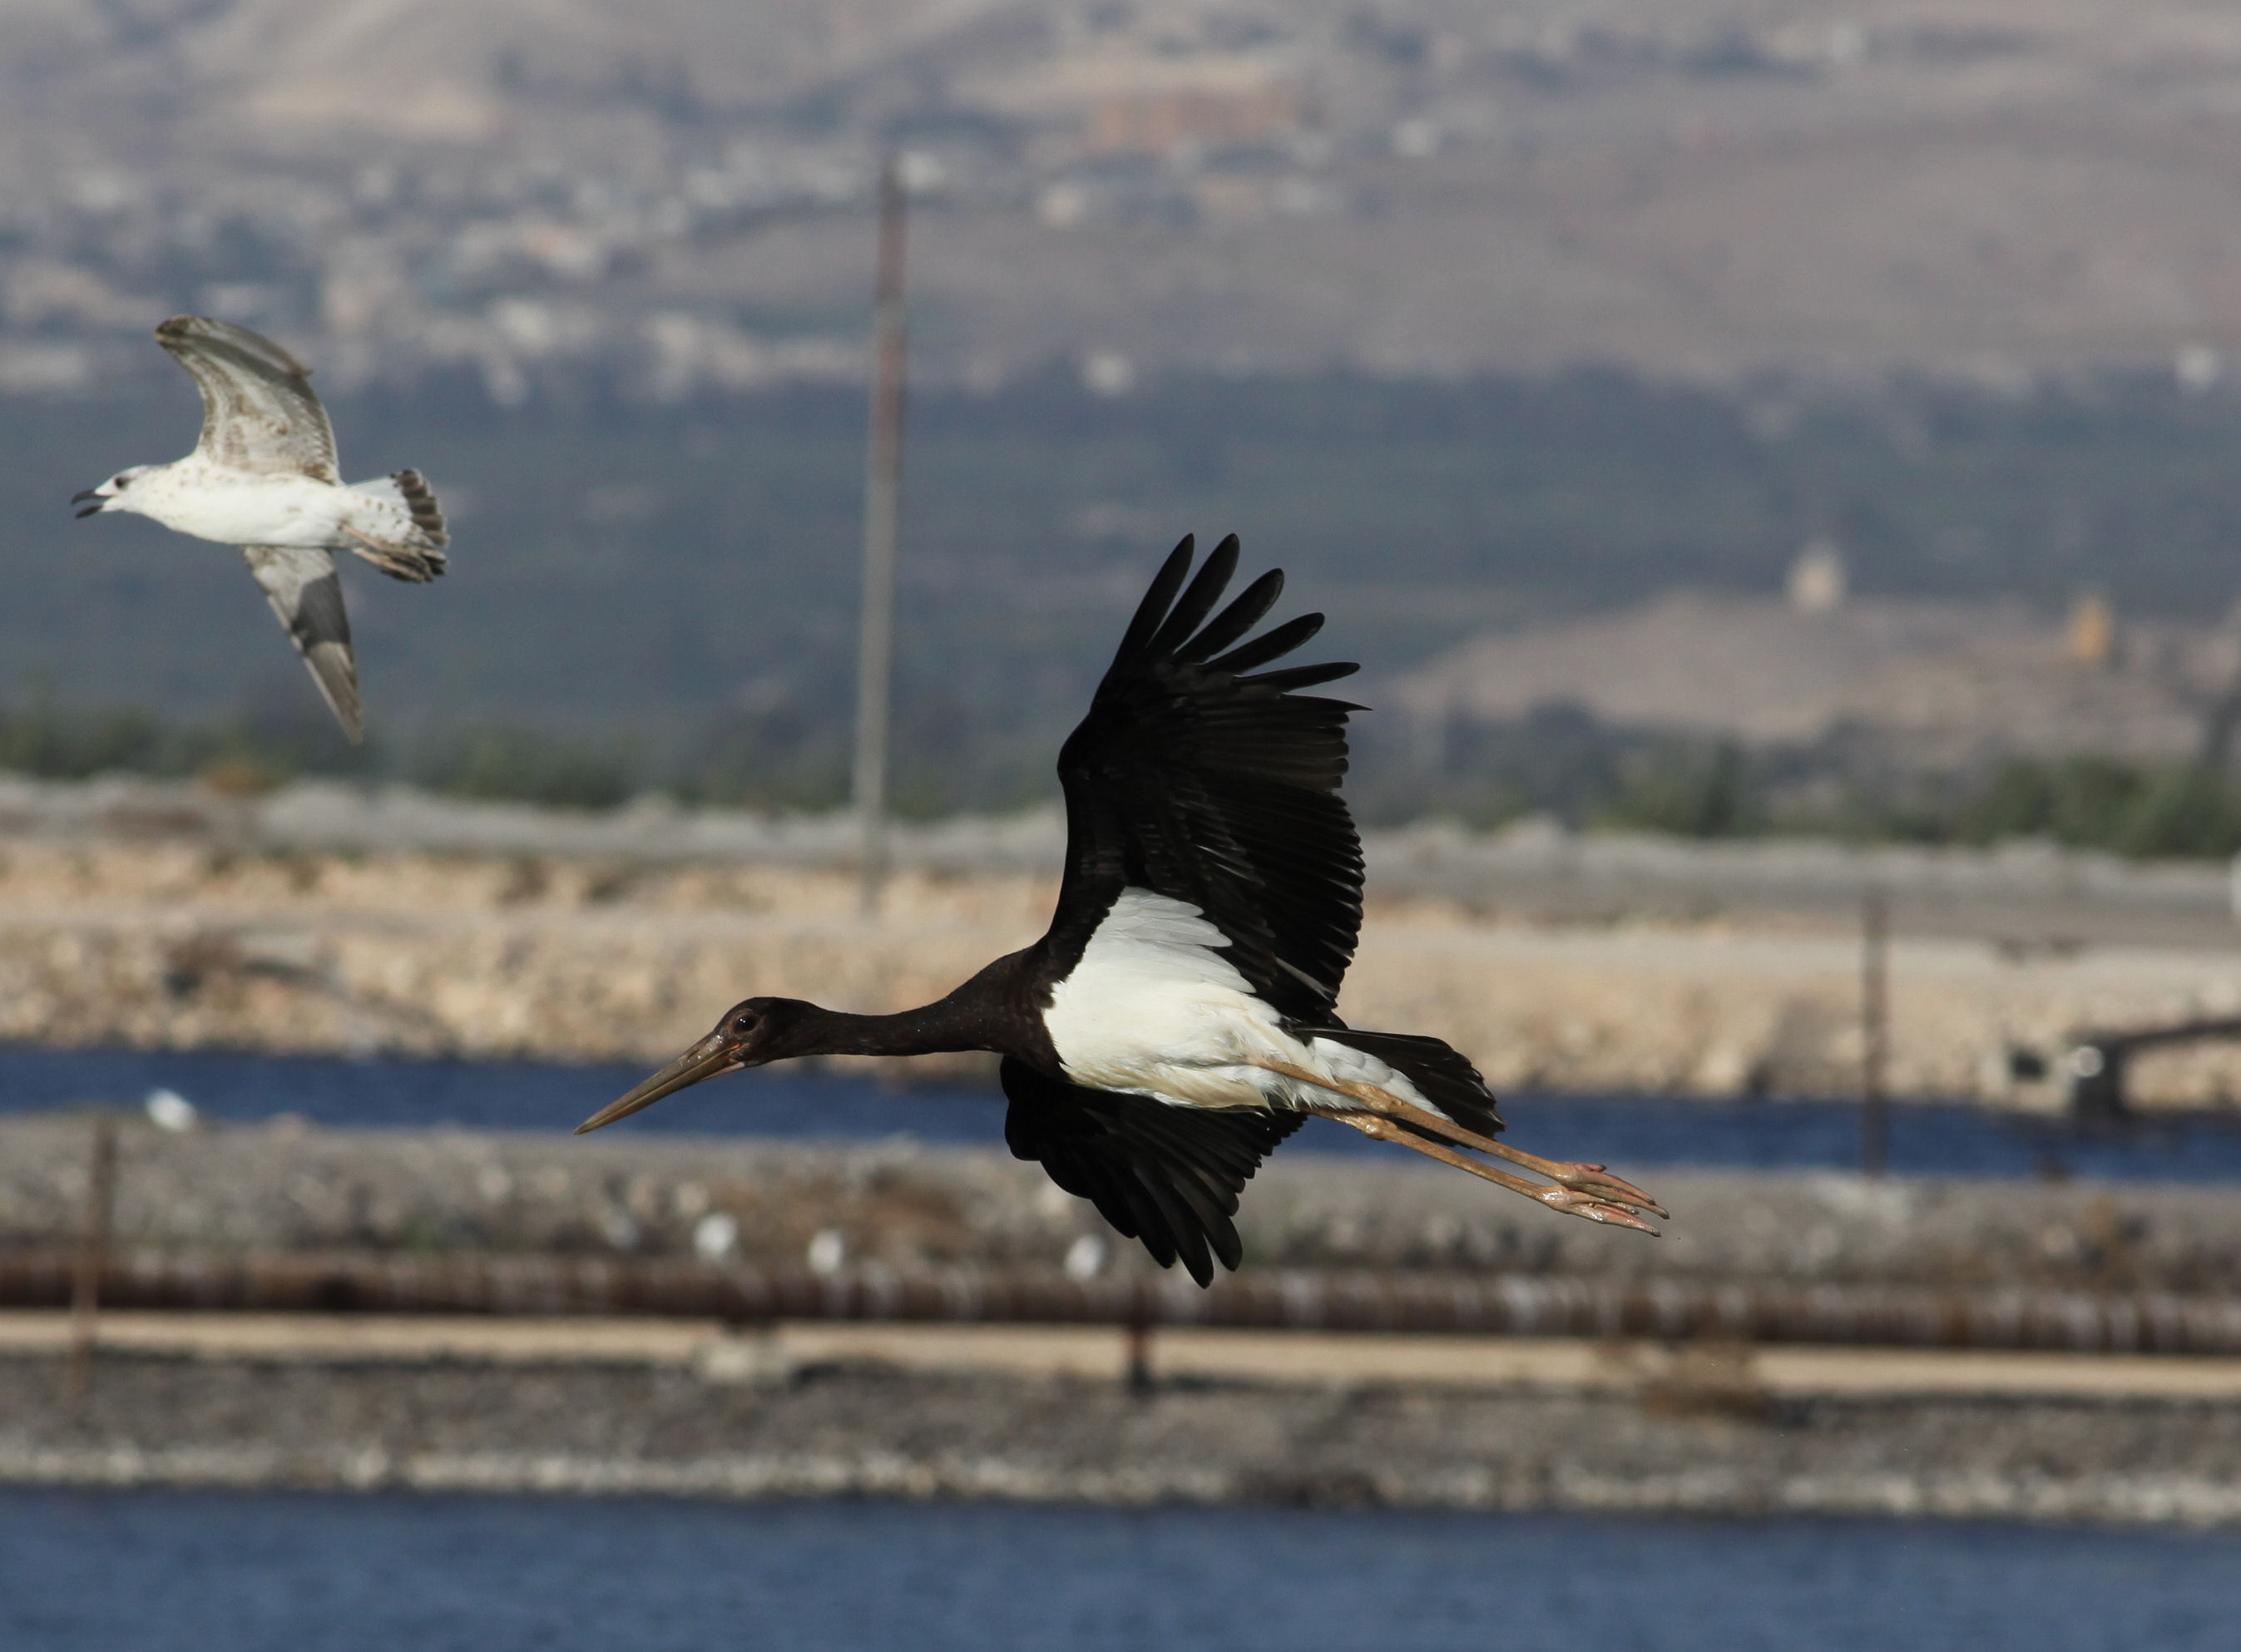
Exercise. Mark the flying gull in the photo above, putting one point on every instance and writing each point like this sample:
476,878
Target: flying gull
263,477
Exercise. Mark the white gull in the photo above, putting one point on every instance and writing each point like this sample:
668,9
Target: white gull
263,477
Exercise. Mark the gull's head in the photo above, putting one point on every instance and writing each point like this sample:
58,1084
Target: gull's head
115,494
751,1033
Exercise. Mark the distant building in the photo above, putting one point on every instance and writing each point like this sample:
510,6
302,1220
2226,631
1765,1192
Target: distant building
1129,104
1224,106
1817,584
2197,368
2090,637
1107,372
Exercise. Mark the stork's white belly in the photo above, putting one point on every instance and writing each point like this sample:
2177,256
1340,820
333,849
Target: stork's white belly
1155,1008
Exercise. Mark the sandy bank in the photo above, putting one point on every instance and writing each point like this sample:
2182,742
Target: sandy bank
178,944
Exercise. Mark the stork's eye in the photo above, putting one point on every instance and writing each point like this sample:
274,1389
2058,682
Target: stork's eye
744,1023
120,483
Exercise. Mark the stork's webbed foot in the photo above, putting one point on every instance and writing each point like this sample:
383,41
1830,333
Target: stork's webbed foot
1591,1183
1613,1212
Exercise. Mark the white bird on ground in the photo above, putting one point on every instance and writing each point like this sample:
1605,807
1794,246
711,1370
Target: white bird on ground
263,477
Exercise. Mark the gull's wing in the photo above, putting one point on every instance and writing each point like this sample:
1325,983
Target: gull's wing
1166,1175
259,411
306,592
1200,777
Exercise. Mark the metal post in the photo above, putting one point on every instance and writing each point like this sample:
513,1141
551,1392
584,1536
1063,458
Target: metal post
882,497
92,1256
1136,1353
1875,1031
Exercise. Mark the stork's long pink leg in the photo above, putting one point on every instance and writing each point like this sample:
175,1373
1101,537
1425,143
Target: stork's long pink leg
1570,1200
1592,1181
1586,1178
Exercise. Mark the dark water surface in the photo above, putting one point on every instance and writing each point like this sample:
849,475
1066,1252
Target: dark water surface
798,1103
156,1571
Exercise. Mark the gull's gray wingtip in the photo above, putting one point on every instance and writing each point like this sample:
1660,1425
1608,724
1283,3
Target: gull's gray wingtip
335,672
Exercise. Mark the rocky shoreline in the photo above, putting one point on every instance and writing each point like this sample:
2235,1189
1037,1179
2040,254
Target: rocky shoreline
863,1430
912,1205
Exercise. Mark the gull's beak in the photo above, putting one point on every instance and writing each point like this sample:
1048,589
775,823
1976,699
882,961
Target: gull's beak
95,494
712,1055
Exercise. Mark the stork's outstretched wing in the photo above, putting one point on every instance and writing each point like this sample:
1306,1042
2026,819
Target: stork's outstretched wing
1202,778
259,411
1166,1175
307,593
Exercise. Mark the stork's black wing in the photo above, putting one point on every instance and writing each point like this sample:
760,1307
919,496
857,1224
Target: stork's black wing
1166,1175
1200,777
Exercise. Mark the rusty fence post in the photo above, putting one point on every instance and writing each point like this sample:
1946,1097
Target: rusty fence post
92,1257
1875,1033
1136,1345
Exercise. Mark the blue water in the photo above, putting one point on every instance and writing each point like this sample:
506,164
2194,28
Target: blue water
798,1103
155,1571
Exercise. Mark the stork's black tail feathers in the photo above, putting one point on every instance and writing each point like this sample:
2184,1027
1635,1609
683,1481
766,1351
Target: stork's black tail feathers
1442,1073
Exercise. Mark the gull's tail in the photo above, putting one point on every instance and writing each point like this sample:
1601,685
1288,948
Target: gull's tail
403,534
420,500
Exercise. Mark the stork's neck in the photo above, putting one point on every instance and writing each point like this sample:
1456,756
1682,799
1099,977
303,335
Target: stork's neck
931,1029
991,1011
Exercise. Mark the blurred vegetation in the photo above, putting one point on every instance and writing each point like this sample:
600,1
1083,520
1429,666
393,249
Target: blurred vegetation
236,753
2095,802
1558,762
780,759
522,765
1691,794
2143,811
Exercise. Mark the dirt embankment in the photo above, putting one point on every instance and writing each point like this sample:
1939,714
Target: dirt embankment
178,944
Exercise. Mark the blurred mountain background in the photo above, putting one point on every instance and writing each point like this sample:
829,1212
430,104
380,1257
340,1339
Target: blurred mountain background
1712,416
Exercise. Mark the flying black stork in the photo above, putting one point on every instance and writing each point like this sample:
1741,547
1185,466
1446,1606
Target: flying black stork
1177,1021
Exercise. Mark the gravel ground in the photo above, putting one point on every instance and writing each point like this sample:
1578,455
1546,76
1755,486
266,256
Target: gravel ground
275,1189
862,1430
1704,1444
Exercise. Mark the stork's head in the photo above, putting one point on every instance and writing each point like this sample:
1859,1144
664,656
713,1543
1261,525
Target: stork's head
114,494
750,1034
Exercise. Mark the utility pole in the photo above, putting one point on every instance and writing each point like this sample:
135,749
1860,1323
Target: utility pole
1875,1031
883,476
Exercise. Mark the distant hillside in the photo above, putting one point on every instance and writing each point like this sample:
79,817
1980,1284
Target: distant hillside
1938,683
1986,189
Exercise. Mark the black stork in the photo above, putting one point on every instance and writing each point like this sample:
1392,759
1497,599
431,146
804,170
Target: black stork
1177,1021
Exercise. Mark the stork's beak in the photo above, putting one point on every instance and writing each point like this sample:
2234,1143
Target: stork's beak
712,1055
95,494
